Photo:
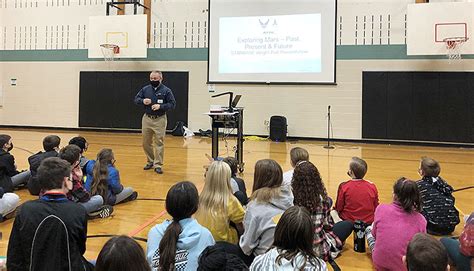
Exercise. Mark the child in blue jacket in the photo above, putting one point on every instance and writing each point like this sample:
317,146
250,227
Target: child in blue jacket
104,179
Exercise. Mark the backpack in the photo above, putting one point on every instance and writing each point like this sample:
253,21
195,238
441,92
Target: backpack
178,129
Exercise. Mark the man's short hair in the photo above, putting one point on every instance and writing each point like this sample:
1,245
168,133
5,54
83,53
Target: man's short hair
79,141
426,253
430,167
358,167
4,140
298,154
70,153
51,173
158,72
50,142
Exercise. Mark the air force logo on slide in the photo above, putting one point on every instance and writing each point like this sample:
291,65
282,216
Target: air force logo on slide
264,23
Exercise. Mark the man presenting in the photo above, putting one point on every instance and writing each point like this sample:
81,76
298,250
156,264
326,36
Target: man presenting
156,99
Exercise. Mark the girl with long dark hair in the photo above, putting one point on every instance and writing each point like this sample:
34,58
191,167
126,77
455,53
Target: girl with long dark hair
292,245
176,244
309,192
121,253
103,179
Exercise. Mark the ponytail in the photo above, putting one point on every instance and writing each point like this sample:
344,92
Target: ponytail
181,202
167,246
407,195
100,173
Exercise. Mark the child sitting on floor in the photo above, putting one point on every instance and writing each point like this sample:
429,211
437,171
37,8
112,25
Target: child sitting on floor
357,198
395,225
437,197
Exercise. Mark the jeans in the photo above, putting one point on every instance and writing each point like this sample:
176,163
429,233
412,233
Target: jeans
126,192
93,204
21,178
462,262
342,230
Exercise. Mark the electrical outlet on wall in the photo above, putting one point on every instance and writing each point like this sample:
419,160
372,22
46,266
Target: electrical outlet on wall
267,125
211,88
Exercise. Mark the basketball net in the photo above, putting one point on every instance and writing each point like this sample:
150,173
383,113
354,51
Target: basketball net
453,47
109,51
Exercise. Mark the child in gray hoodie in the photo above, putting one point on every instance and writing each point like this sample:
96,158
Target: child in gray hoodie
268,202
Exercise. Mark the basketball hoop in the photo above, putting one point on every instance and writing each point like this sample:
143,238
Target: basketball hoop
109,51
453,47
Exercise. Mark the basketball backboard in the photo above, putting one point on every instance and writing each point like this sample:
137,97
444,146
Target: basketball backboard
430,24
126,31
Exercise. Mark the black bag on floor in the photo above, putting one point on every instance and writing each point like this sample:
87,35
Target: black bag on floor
178,129
278,128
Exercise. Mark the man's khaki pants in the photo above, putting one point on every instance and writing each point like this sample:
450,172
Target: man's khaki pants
153,132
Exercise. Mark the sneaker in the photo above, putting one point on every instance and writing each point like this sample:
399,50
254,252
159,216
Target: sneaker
148,166
103,212
133,196
158,170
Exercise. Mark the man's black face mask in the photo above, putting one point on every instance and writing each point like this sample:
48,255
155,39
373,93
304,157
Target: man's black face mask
155,83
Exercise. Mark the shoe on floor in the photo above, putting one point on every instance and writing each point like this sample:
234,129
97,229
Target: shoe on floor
158,170
148,166
133,196
103,212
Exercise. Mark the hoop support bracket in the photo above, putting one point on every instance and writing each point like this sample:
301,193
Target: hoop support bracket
114,4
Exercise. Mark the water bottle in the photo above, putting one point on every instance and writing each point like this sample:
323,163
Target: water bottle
359,236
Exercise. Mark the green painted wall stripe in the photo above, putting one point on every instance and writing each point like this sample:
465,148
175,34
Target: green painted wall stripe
167,54
343,52
394,51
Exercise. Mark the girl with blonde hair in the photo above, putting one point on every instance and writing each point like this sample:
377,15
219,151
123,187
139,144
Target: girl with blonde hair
218,208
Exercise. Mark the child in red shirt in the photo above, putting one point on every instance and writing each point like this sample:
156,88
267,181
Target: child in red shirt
357,198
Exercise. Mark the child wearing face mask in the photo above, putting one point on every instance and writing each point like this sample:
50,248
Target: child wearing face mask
357,198
10,177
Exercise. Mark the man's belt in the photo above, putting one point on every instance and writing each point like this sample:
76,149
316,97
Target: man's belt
153,116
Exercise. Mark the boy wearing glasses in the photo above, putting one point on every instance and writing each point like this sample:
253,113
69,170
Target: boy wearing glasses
94,205
50,232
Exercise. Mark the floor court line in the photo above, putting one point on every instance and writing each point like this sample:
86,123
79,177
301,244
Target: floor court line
153,219
146,224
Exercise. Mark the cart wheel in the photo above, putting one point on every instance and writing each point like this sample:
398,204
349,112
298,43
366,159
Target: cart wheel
241,167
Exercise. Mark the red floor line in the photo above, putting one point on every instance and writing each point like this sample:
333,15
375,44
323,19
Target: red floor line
153,219
146,224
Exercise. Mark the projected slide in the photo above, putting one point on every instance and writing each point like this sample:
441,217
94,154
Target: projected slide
270,44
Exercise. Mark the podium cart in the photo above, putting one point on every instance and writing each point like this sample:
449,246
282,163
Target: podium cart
226,119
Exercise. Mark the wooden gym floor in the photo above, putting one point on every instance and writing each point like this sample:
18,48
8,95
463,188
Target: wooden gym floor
184,160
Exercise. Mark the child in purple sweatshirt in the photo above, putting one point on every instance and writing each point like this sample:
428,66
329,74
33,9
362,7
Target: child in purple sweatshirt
394,226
